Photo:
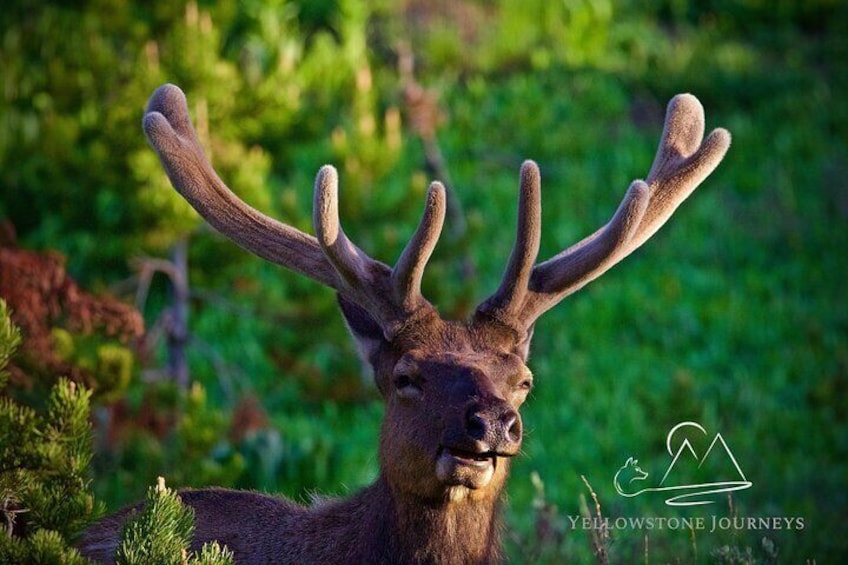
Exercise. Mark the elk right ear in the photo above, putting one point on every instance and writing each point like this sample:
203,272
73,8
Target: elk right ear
364,329
522,349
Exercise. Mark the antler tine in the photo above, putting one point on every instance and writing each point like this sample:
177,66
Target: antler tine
364,280
350,262
515,282
682,161
681,164
168,127
390,296
409,270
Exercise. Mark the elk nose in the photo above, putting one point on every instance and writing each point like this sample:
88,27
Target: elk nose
499,427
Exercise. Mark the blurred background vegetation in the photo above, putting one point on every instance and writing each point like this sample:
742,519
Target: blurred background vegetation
733,316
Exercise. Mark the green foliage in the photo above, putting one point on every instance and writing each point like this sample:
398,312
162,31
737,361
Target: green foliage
161,533
45,460
292,454
111,363
44,482
10,340
45,487
114,371
309,455
44,547
180,435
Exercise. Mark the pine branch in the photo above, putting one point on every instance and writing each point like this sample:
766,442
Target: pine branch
162,533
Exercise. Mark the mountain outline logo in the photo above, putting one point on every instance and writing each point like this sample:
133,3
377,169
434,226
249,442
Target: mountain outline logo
694,493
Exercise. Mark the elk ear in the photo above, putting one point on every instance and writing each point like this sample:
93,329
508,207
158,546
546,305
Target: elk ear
364,329
522,348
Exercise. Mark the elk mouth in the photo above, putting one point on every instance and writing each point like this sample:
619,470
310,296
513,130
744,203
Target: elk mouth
461,467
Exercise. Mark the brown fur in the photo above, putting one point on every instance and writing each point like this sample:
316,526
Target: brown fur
408,515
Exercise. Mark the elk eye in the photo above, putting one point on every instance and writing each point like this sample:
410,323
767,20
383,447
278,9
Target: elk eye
408,387
525,384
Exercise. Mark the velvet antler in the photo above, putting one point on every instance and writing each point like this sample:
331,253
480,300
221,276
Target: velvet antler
682,162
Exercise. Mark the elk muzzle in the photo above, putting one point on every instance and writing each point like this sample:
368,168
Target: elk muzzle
470,457
498,427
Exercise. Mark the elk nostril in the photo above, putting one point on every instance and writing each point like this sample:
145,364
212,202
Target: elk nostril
512,425
475,425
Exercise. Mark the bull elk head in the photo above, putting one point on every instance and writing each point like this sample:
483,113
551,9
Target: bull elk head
452,389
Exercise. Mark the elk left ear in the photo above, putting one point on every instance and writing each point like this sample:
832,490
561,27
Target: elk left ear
522,348
364,329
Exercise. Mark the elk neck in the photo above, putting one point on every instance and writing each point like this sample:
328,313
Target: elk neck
402,528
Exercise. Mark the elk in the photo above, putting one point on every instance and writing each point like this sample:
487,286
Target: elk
452,389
